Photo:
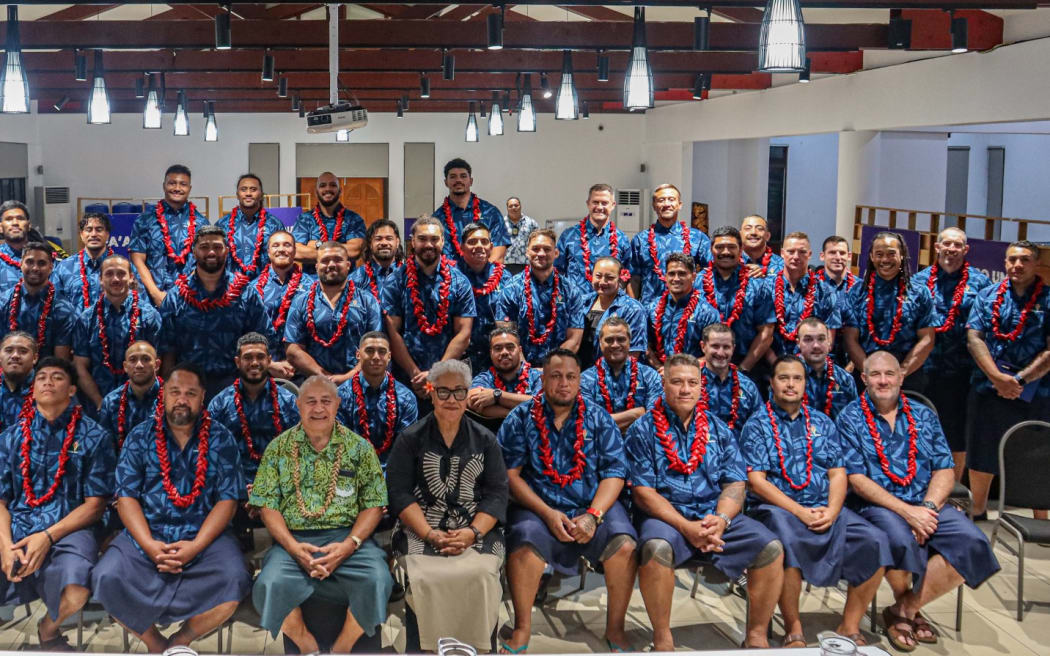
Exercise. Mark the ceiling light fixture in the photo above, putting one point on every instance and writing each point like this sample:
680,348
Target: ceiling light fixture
424,86
223,35
140,87
585,112
269,66
14,85
98,102
803,77
782,40
527,113
400,109
296,102
182,119
702,32
61,104
302,109
698,87
603,66
342,135
495,29
959,32
482,112
545,84
211,127
151,113
448,66
495,116
567,106
506,102
404,101
472,125
638,82
899,33
79,66
282,88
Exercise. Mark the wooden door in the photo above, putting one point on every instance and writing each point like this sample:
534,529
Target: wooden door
366,196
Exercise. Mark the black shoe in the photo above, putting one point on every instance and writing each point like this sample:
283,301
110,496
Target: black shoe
983,517
397,593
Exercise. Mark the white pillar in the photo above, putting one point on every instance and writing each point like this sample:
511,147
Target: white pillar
857,177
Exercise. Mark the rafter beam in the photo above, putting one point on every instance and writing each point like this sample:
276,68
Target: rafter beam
78,12
831,4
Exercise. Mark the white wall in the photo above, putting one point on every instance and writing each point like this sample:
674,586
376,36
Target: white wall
731,177
913,169
812,179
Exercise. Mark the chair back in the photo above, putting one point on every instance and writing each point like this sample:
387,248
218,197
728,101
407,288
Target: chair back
923,399
102,208
1024,459
127,208
288,385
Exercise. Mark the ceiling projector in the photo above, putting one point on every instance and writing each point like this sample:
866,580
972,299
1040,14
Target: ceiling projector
332,118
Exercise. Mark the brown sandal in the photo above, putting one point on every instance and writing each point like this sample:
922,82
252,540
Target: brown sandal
922,624
794,641
858,639
894,631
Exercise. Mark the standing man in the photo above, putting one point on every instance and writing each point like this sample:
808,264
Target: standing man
461,207
798,295
596,235
383,255
678,317
754,231
540,304
829,387
51,498
133,402
605,301
280,283
162,237
837,258
77,278
509,382
731,395
650,248
327,221
519,227
1008,334
34,306
325,324
104,330
486,279
618,382
428,307
248,228
18,356
14,224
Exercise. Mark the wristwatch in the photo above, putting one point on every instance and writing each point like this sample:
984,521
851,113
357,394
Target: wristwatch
1020,379
497,394
929,504
357,541
477,534
725,518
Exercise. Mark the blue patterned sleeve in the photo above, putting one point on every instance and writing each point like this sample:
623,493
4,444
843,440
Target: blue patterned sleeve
832,309
764,311
609,444
257,318
512,438
849,441
99,476
832,444
82,333
624,248
392,296
407,407
733,469
654,386
301,228
638,446
754,445
168,334
355,226
849,386
561,263
140,232
130,474
979,312
926,315
940,452
149,325
636,263
294,324
576,306
65,320
848,306
7,471
463,296
634,315
289,410
228,478
346,402
373,316
482,381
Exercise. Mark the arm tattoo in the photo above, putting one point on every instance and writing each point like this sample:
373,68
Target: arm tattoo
734,492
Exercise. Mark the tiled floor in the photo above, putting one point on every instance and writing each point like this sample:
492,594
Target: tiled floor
574,622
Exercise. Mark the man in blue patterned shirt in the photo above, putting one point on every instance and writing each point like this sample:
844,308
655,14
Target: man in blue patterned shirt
14,224
162,237
798,294
596,235
519,227
18,356
605,300
178,482
731,395
327,221
33,305
280,283
77,278
829,387
383,256
325,324
47,546
668,235
510,380
679,315
461,207
486,279
618,381
248,228
757,254
133,402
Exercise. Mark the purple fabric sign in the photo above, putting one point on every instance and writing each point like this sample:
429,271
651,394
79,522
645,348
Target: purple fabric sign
287,215
989,257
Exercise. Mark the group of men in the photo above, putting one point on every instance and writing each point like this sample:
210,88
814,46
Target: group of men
667,374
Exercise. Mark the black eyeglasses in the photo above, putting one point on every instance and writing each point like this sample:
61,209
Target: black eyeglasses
458,393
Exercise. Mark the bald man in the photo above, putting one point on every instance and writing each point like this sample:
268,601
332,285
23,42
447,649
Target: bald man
327,221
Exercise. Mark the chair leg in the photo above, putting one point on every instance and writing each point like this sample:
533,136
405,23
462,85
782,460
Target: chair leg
958,610
874,614
127,640
1020,579
218,639
80,630
696,583
995,534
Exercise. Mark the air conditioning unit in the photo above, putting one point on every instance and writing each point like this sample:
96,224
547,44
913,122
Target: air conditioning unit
54,214
632,210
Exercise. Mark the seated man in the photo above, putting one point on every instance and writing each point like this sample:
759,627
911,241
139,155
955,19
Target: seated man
901,468
178,482
731,395
795,468
566,489
625,387
829,387
18,355
510,380
322,494
133,402
33,305
47,547
688,484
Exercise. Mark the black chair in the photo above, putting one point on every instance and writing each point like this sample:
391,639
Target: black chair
1024,457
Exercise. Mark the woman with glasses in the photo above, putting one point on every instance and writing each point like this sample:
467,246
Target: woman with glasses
448,489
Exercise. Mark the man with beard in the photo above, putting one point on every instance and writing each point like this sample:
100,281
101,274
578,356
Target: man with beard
103,330
51,497
596,235
133,402
163,236
618,382
382,257
509,382
829,387
797,295
606,300
34,306
14,224
178,481
679,315
428,307
207,312
248,228
731,395
461,207
280,283
18,356
486,279
541,304
77,278
650,248
372,403
754,233
327,221
325,324
690,500
566,465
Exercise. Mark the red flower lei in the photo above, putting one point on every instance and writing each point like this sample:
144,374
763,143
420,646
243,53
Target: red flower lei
523,379
493,282
122,412
340,327
766,257
579,459
289,292
957,295
453,232
45,312
362,411
614,250
829,369
372,282
231,243
913,438
902,294
734,408
655,257
323,229
738,298
781,311
1000,294
780,448
548,328
700,437
683,323
10,261
604,390
246,433
233,291
187,244
850,278
103,338
444,271
181,500
85,286
32,500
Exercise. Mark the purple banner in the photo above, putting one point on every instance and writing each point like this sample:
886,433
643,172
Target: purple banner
988,256
287,215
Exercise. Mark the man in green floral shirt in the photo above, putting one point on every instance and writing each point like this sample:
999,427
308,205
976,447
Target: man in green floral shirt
321,491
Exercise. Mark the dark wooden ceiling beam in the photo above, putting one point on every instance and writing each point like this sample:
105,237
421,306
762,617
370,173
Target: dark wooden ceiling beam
300,8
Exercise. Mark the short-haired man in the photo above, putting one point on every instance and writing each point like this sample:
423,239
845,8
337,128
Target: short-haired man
688,482
327,221
18,356
383,256
605,301
279,284
679,315
519,227
901,470
566,489
15,227
797,295
322,493
461,207
486,279
625,387
133,402
829,387
178,482
650,248
162,237
248,228
731,395
102,331
837,258
34,306
57,477
596,235
77,278
795,469
757,253
508,382
371,402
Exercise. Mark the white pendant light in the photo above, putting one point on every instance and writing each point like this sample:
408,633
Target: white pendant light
211,127
567,105
14,85
638,82
782,41
527,113
182,119
151,113
472,125
98,103
495,116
